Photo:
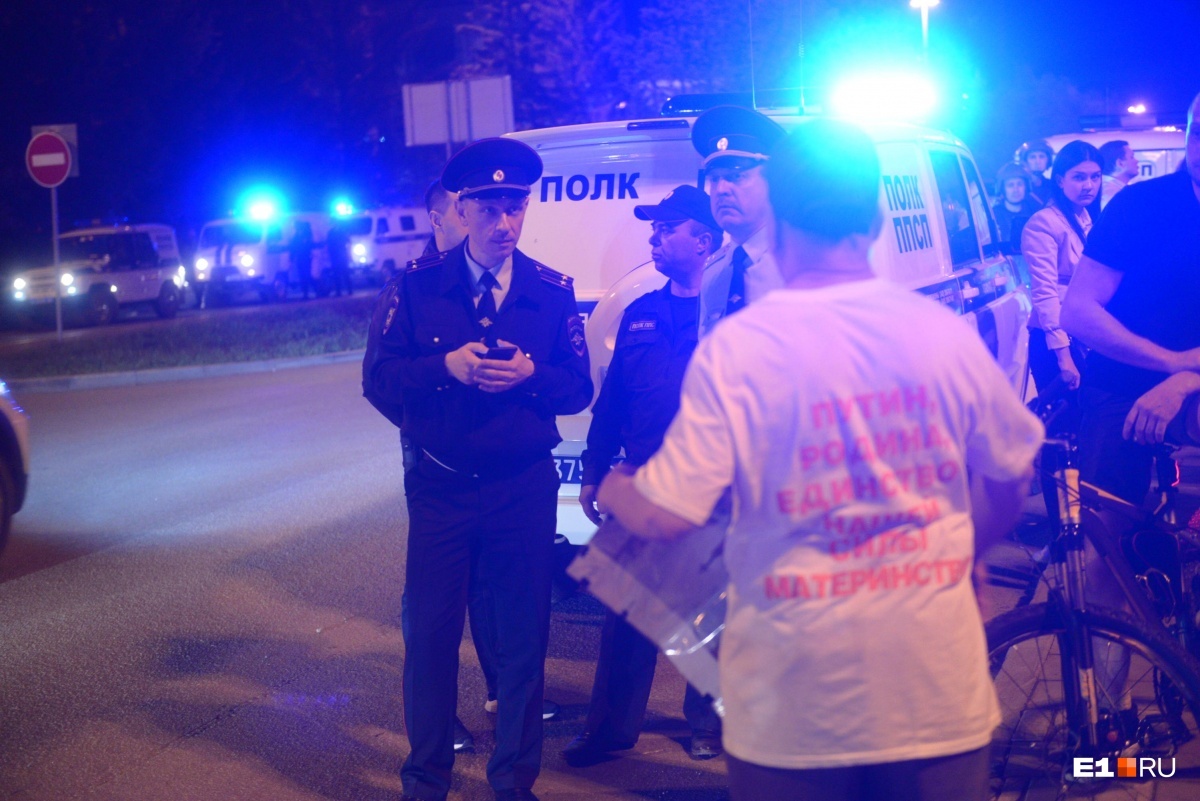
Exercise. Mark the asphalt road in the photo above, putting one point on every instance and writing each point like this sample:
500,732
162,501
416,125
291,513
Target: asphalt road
201,601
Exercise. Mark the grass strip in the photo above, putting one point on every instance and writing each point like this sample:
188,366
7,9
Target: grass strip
240,335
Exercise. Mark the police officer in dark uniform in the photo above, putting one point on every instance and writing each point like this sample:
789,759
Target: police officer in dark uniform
483,347
637,402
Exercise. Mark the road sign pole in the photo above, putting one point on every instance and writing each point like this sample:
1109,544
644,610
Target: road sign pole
58,326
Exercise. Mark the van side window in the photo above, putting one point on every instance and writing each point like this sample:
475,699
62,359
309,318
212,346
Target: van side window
985,224
956,207
407,223
382,227
145,255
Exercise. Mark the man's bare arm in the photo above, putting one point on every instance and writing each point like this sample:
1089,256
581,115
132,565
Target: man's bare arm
619,497
1084,315
996,507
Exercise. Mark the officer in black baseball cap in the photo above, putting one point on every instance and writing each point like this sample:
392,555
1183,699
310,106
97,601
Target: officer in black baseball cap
684,202
492,168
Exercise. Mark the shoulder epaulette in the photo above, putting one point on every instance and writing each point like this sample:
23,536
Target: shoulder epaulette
424,262
554,276
722,252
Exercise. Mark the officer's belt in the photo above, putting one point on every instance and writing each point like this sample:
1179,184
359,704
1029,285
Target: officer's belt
492,471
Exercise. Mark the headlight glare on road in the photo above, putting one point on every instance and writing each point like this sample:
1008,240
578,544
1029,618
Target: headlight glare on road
67,279
246,260
19,284
201,264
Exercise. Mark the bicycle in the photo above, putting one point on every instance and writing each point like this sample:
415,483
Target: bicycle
1083,689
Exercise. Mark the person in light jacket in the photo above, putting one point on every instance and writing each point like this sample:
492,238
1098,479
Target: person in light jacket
1052,242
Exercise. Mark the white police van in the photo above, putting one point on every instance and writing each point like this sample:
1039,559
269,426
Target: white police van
383,239
236,256
103,268
939,238
1158,143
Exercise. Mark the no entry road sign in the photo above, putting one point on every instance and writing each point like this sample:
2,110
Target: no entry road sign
48,159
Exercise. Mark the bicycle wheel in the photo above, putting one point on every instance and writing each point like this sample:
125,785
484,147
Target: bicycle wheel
1034,748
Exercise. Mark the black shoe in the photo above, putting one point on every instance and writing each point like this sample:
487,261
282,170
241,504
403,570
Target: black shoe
464,743
705,746
588,749
516,795
550,710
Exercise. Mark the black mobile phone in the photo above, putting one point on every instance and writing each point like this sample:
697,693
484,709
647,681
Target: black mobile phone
502,354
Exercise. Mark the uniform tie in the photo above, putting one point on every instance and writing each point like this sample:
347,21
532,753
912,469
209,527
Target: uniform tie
486,310
737,281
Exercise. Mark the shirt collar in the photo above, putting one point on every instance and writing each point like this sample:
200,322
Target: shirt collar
757,245
503,273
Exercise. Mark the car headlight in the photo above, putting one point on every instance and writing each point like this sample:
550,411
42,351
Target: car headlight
67,279
246,260
20,284
71,290
359,249
201,264
18,295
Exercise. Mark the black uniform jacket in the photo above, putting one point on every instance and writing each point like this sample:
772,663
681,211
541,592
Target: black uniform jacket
640,394
431,312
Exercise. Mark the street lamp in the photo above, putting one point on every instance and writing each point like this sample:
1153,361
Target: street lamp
924,5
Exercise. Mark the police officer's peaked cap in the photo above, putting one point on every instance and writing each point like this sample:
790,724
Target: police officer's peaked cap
492,166
684,202
733,131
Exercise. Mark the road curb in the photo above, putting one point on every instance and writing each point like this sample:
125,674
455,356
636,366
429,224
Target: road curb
67,383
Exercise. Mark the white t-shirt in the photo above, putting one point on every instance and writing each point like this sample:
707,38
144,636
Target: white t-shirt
842,418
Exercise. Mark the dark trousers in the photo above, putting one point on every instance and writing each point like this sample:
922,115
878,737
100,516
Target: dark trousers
501,531
960,777
1106,458
621,690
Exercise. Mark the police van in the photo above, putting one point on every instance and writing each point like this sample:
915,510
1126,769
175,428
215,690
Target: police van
238,256
1159,149
105,268
385,238
939,238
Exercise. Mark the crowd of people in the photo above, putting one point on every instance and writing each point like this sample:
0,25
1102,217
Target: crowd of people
476,348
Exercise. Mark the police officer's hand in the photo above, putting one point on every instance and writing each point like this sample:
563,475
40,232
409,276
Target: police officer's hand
1146,423
500,375
464,362
587,499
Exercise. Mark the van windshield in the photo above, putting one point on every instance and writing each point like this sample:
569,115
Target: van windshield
116,249
230,234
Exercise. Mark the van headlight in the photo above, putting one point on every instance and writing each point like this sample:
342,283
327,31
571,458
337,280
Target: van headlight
201,264
67,279
246,260
20,284
359,250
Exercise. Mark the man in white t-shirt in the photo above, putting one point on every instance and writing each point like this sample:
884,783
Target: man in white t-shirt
872,446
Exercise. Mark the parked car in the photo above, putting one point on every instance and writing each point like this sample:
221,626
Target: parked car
14,460
241,256
103,269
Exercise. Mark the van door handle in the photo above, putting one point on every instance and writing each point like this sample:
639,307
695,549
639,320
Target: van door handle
969,292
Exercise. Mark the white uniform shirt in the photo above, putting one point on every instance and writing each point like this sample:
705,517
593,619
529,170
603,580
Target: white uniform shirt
502,273
842,418
762,276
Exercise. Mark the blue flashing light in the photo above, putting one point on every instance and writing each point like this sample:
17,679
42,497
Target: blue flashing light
262,210
261,203
891,96
343,207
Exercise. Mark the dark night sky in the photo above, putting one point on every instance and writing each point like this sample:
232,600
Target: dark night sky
1108,50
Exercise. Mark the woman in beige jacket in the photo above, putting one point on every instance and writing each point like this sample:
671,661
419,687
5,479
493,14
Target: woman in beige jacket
1052,243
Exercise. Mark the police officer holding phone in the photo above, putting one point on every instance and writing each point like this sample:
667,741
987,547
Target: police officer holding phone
484,347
